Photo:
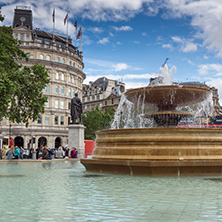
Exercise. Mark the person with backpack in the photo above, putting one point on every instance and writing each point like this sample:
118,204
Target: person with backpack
73,153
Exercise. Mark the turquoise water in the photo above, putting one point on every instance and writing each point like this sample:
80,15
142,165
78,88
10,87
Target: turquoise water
64,191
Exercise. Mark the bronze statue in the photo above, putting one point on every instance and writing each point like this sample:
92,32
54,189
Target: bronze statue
76,109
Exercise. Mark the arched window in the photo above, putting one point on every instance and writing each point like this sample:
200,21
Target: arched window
63,61
57,90
63,76
48,57
57,75
70,63
41,56
57,59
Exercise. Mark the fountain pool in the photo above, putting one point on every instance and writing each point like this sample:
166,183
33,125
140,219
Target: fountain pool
64,191
164,150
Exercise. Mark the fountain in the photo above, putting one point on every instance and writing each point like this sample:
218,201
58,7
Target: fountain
165,150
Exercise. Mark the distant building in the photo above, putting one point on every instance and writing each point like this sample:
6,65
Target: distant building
65,65
102,92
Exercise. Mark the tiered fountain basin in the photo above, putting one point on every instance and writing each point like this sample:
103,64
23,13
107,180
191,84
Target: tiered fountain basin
161,151
158,151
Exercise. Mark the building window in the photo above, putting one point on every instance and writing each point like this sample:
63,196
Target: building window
39,120
47,119
39,40
70,91
112,101
41,56
47,103
73,80
63,61
62,104
63,76
16,36
68,120
57,90
22,37
73,64
69,105
56,104
70,63
62,90
57,59
57,75
27,38
73,93
61,120
48,58
56,120
69,78
47,89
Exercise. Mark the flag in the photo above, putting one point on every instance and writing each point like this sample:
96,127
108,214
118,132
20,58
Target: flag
53,15
65,19
75,24
79,33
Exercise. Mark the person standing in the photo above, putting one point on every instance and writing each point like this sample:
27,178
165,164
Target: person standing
45,153
17,153
21,152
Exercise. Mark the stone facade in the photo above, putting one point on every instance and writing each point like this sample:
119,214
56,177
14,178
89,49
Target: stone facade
102,93
65,65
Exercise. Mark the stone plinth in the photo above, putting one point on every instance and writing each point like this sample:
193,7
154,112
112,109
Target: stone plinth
158,151
76,138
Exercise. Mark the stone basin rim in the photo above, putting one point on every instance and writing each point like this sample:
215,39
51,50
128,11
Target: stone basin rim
160,129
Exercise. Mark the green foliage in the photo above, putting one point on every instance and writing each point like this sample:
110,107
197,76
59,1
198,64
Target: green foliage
20,86
95,120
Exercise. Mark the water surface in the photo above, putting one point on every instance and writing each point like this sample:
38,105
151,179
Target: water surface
64,191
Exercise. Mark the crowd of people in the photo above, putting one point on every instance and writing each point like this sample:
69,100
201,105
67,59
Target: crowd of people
43,152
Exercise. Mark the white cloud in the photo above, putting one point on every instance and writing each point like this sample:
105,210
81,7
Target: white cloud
120,66
95,29
131,80
103,41
122,28
186,45
167,46
212,69
189,47
206,15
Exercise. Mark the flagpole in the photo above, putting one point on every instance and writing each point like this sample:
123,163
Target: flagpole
81,41
76,36
67,31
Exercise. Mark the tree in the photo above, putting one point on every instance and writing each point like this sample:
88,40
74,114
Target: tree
95,120
21,87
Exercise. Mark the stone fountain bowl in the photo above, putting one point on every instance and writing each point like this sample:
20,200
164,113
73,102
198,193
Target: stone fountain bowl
168,97
158,151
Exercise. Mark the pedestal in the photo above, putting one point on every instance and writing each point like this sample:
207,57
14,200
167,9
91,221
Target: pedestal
76,138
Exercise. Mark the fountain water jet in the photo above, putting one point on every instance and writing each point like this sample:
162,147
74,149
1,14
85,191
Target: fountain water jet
165,150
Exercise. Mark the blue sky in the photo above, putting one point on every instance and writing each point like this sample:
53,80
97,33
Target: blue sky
129,40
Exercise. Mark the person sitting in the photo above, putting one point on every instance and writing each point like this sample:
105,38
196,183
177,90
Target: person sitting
10,154
73,153
59,154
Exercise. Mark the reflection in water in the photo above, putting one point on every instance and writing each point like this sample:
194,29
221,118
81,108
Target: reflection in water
11,176
87,175
47,165
64,191
215,179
